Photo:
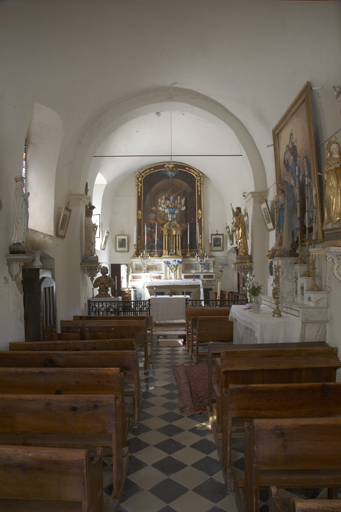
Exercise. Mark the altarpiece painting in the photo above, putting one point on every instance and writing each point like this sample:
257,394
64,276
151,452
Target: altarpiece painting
152,186
298,198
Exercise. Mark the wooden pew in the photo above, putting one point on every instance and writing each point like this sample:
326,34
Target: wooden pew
196,312
215,349
212,328
36,479
126,360
123,329
66,381
66,421
274,366
290,453
300,505
63,336
73,345
244,403
147,318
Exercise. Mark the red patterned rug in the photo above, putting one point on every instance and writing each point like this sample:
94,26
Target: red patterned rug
192,384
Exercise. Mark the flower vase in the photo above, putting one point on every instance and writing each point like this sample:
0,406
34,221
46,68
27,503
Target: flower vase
173,276
256,304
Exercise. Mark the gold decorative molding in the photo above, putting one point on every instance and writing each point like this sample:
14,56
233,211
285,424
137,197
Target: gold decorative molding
199,214
139,215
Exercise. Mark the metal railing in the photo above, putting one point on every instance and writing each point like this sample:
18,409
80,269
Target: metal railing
123,308
214,303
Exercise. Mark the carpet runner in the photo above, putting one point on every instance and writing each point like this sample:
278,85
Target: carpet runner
192,384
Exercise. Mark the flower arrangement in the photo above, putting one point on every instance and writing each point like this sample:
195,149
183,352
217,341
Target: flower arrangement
252,287
173,265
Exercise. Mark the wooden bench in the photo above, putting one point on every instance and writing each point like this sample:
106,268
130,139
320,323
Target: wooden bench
64,336
67,421
73,345
274,366
147,318
215,349
212,328
66,381
126,360
123,329
300,505
196,312
36,479
244,403
290,453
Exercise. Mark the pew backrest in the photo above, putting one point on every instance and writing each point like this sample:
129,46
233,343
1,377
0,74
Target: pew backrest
74,345
198,312
212,328
50,474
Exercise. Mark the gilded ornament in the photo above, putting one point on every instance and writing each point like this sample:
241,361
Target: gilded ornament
139,215
199,214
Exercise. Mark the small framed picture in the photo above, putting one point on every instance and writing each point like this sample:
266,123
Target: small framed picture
121,243
105,240
217,242
266,215
96,219
64,222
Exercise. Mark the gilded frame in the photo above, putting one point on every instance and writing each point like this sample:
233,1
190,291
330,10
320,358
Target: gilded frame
196,224
217,242
295,155
63,222
121,243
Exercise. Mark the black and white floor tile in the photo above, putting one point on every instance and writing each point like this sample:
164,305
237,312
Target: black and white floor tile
173,462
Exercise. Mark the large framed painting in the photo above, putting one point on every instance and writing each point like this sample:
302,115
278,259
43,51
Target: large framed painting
153,185
296,172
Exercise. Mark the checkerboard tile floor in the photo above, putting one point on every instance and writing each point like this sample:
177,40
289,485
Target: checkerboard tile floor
173,462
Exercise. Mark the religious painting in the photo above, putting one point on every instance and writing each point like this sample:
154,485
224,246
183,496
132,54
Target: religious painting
154,188
121,243
217,242
296,173
266,215
63,222
105,240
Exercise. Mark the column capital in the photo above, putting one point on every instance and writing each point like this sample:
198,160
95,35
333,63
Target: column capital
255,197
78,199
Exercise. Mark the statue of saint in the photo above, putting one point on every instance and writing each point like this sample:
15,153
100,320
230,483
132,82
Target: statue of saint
332,177
240,232
20,213
90,234
103,283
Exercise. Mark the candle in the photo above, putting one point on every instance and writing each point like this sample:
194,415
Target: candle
134,235
145,235
306,204
315,220
209,233
219,291
155,233
188,233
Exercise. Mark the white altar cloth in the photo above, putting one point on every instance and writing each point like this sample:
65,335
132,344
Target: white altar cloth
250,327
165,308
179,284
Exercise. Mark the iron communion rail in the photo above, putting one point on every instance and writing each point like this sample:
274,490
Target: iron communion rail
214,303
122,308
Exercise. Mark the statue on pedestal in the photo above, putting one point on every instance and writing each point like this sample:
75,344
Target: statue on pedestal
90,234
240,231
332,176
103,283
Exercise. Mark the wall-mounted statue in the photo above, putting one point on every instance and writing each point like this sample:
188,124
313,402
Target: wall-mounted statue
332,176
240,231
90,235
20,216
103,283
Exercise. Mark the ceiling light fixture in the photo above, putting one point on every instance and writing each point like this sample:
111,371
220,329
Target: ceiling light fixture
170,171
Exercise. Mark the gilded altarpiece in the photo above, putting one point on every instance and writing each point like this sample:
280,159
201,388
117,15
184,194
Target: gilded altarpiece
151,186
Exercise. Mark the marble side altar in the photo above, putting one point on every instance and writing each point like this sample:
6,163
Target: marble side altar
297,301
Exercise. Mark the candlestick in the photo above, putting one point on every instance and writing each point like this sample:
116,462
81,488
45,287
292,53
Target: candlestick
306,205
145,236
315,209
314,287
299,260
155,233
134,235
188,255
298,212
308,272
219,290
188,233
210,250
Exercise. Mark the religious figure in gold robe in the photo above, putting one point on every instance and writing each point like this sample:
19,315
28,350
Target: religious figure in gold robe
332,176
240,231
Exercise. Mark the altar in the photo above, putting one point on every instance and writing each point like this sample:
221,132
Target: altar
250,327
186,287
